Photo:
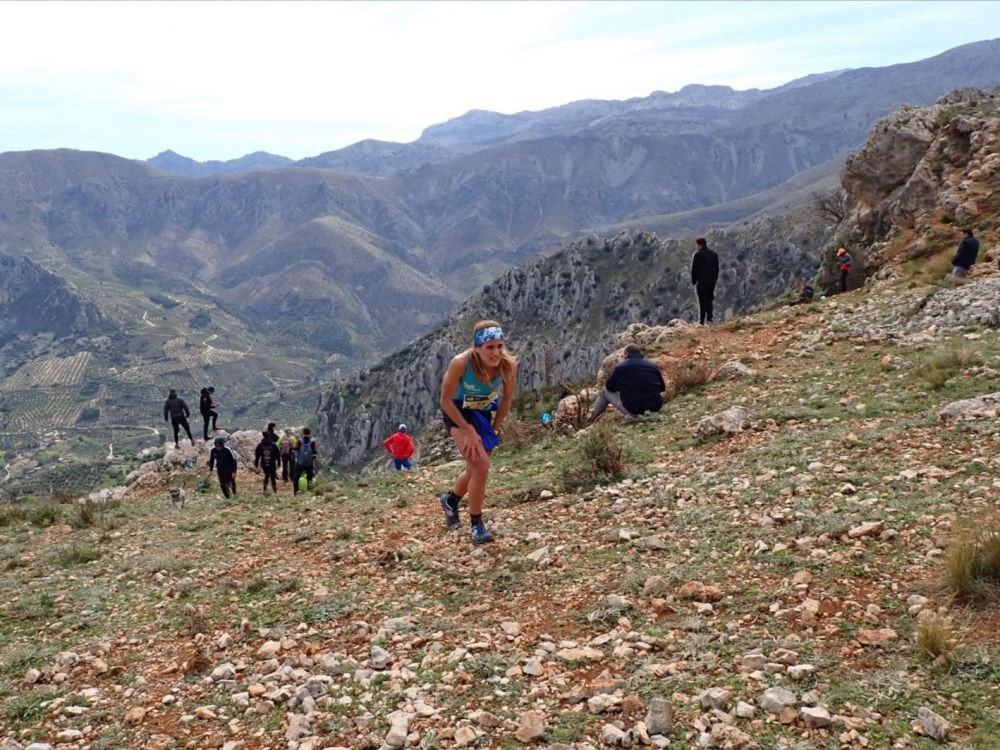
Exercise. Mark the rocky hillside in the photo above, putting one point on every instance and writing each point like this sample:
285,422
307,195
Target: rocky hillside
860,463
561,311
467,218
922,176
920,171
34,300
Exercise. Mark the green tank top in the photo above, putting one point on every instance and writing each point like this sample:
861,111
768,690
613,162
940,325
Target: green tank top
472,393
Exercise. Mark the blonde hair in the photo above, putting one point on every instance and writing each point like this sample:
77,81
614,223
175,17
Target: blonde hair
507,360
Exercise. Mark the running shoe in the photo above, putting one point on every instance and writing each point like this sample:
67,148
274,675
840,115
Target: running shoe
480,535
450,513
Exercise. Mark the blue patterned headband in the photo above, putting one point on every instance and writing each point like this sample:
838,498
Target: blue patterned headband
493,333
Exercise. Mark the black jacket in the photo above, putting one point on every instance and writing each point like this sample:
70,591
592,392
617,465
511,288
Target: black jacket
966,254
639,382
704,267
223,459
267,454
175,408
206,403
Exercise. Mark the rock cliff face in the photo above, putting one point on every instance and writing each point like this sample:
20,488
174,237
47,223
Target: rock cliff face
33,300
561,314
923,174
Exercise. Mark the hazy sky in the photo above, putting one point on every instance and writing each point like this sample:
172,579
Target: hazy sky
216,80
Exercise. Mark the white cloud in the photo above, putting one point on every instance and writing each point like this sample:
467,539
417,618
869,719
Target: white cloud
312,76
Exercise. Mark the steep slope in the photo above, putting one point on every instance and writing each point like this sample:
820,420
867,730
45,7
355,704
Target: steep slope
344,292
923,175
34,300
920,169
783,586
561,311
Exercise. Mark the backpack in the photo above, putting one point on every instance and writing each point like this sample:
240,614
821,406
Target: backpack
285,445
304,456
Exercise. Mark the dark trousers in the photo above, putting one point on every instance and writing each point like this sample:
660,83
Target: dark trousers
270,472
178,423
228,483
706,295
843,280
298,471
287,467
212,415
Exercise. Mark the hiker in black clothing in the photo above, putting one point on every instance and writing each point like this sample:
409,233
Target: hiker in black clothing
267,458
805,295
704,274
305,460
176,412
223,460
635,386
207,407
965,256
272,432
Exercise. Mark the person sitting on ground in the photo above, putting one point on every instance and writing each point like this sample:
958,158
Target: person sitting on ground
223,460
635,386
400,445
965,256
844,266
175,411
305,460
805,295
267,456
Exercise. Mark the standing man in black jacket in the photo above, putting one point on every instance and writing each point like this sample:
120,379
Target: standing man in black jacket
207,407
176,412
268,457
704,274
965,256
223,460
634,386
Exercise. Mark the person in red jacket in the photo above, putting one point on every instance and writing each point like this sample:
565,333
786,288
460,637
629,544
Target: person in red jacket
400,445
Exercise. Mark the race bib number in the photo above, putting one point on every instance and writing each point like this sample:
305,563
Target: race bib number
479,403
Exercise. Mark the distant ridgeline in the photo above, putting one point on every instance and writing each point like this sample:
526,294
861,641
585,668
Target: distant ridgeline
922,173
561,312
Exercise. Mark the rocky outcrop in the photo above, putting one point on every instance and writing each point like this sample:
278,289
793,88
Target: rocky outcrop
171,467
562,314
34,300
921,168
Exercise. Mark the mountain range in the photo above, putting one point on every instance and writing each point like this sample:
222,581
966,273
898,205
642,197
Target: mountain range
331,262
386,238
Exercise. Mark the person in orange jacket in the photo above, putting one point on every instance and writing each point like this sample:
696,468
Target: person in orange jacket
400,445
844,266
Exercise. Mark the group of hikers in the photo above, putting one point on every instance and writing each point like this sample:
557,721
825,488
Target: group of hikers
477,392
296,456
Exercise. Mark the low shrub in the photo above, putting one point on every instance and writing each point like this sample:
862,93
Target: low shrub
942,366
601,457
972,563
37,514
84,516
934,638
78,554
689,375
